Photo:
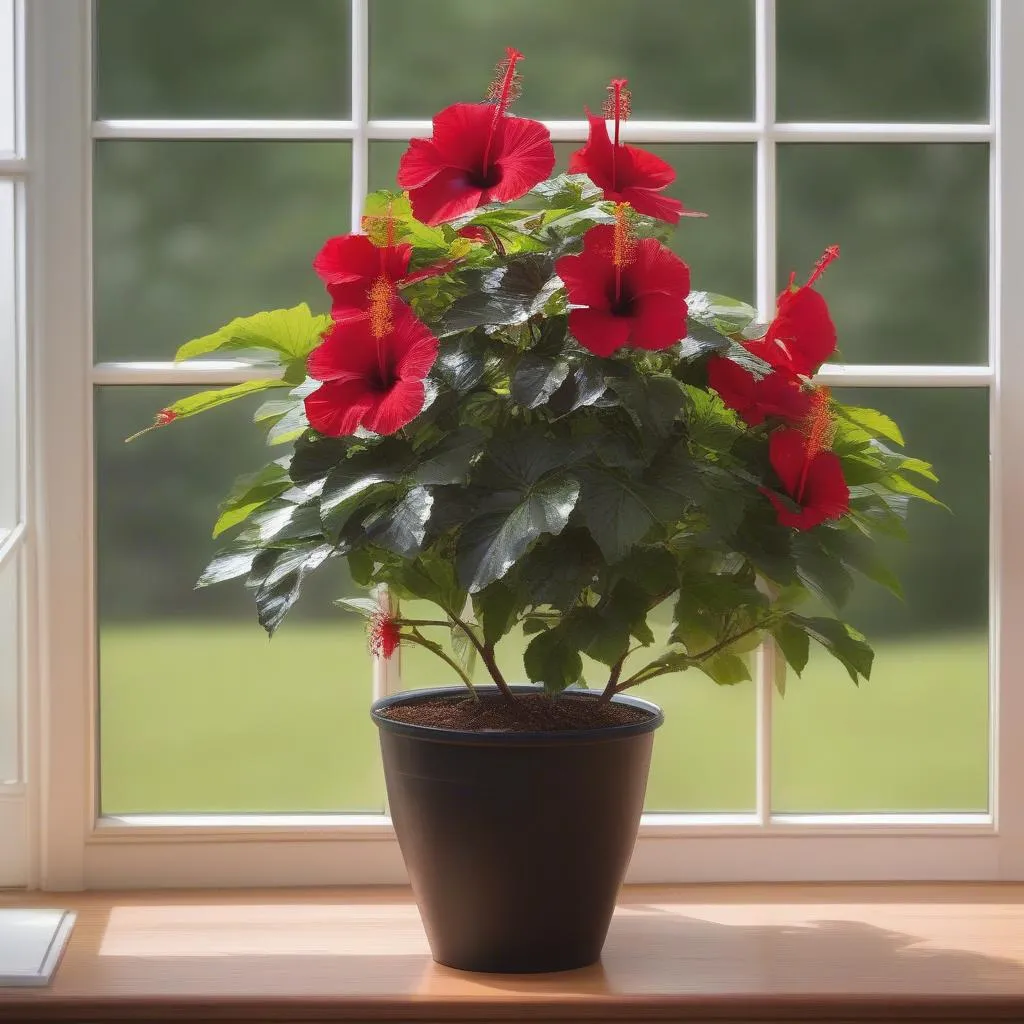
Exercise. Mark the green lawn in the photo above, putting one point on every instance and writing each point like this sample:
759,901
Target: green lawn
204,717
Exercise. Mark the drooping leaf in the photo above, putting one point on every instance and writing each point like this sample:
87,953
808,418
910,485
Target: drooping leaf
496,607
820,570
583,386
551,660
228,564
842,641
725,668
875,423
729,316
277,577
794,644
448,461
249,493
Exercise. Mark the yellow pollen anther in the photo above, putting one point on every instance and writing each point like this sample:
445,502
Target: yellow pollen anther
382,294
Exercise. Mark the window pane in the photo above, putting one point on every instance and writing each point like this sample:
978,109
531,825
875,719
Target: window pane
688,59
715,179
912,223
876,60
10,427
10,670
7,75
189,235
915,736
198,711
232,58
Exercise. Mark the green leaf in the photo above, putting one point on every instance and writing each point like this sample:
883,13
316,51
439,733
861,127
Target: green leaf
401,526
536,378
653,402
249,493
725,668
364,606
293,424
283,519
582,387
709,423
820,570
428,578
496,607
842,641
507,295
794,645
600,636
728,316
489,545
618,510
556,570
449,461
920,467
357,478
228,564
277,577
461,362
875,423
901,485
288,334
551,660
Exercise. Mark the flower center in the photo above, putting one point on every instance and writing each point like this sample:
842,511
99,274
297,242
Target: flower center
622,304
489,177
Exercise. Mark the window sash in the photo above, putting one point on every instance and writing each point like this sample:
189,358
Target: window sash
79,849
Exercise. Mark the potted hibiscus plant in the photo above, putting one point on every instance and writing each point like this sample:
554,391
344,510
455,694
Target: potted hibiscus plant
517,411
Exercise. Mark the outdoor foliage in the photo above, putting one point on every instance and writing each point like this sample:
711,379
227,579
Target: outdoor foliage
519,412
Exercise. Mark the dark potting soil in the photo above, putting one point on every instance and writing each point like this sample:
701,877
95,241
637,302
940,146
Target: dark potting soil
531,712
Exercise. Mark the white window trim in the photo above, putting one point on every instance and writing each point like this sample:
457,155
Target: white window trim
75,850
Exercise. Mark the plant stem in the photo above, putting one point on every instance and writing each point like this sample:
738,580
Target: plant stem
418,638
613,679
654,669
486,652
496,242
423,622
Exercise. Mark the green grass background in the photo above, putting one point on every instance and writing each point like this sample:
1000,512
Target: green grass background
214,717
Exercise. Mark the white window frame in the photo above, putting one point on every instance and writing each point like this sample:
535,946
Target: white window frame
77,849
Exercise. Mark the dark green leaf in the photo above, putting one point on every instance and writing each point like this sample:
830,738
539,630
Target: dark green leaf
725,668
549,659
841,641
448,461
821,571
536,378
794,644
556,570
653,402
581,388
228,564
618,510
461,362
496,607
277,578
401,526
491,544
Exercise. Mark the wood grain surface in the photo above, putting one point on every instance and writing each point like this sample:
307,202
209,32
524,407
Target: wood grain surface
736,953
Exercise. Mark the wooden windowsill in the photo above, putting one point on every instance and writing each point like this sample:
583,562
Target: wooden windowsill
700,953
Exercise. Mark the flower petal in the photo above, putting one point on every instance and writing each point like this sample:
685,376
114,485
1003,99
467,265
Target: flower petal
826,489
786,452
412,348
652,203
524,155
447,195
419,163
347,258
638,168
656,268
802,335
460,134
348,352
587,276
595,158
335,409
659,321
598,331
401,405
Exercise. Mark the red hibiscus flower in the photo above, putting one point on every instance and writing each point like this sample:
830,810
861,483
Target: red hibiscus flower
625,173
349,266
811,475
778,394
476,155
385,635
373,371
632,293
802,335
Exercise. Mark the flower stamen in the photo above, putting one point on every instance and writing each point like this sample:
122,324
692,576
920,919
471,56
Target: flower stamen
623,243
617,108
502,91
830,254
819,431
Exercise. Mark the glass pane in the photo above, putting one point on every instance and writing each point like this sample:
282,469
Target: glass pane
10,670
876,60
689,59
10,411
703,754
198,711
912,223
189,235
7,75
716,179
915,736
232,58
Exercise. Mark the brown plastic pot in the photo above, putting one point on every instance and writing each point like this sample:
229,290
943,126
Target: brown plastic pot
515,843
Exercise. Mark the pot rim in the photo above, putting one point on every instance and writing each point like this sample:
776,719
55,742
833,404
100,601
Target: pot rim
437,734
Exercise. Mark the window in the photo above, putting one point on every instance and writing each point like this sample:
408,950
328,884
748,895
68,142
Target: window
181,193
13,175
